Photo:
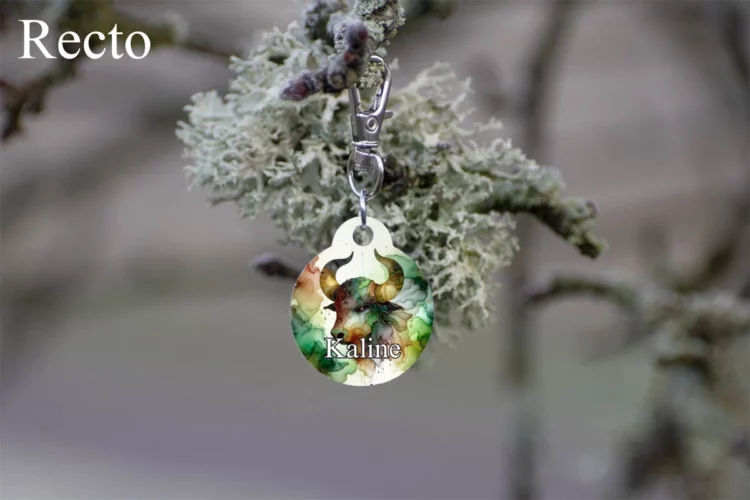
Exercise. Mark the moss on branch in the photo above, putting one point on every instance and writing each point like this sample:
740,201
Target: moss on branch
538,191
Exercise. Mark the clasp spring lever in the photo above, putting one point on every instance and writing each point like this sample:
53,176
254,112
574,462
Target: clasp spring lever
366,126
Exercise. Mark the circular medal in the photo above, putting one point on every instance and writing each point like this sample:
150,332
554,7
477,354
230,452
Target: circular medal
362,313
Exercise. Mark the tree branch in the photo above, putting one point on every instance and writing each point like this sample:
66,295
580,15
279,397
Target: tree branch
707,318
733,26
694,396
357,34
89,174
542,65
30,96
719,257
570,218
82,17
276,267
687,434
537,192
341,72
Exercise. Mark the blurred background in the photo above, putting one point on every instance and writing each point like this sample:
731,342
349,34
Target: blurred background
143,357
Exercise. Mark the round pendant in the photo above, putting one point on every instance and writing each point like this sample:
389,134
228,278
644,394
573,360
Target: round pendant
362,314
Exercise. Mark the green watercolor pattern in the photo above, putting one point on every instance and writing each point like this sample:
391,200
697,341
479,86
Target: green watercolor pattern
358,312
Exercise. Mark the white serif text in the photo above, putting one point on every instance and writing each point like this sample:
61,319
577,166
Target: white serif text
70,44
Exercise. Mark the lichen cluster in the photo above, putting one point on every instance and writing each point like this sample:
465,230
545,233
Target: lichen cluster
447,199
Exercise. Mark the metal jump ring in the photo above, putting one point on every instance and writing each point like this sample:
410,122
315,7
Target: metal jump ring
363,207
368,160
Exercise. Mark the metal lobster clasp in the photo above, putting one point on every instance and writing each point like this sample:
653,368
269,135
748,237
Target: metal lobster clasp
366,124
366,127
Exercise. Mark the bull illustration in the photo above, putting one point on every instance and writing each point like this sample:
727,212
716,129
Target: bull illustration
365,312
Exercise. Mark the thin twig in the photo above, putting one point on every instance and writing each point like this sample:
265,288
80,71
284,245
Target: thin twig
712,317
276,267
734,30
718,260
17,196
343,70
347,28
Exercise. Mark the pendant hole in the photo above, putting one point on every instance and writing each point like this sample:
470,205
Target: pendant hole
362,235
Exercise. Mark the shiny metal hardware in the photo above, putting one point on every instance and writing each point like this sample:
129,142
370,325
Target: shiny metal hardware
366,124
366,127
363,208
361,161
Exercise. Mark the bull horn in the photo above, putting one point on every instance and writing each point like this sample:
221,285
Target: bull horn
328,282
388,290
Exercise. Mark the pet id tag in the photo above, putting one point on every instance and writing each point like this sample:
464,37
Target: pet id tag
362,315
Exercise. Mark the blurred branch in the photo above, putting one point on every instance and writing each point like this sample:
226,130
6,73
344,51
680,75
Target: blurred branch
687,435
31,303
29,96
442,9
714,35
622,294
741,447
17,196
30,299
697,391
6,9
734,27
530,103
276,267
691,426
541,68
82,17
687,414
717,316
569,218
719,257
644,455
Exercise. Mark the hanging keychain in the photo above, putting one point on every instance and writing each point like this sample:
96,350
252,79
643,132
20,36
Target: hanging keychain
362,313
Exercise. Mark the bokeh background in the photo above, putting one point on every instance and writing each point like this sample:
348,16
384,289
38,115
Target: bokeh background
143,357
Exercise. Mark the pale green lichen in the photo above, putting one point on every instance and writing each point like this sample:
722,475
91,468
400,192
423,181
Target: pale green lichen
383,18
446,201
